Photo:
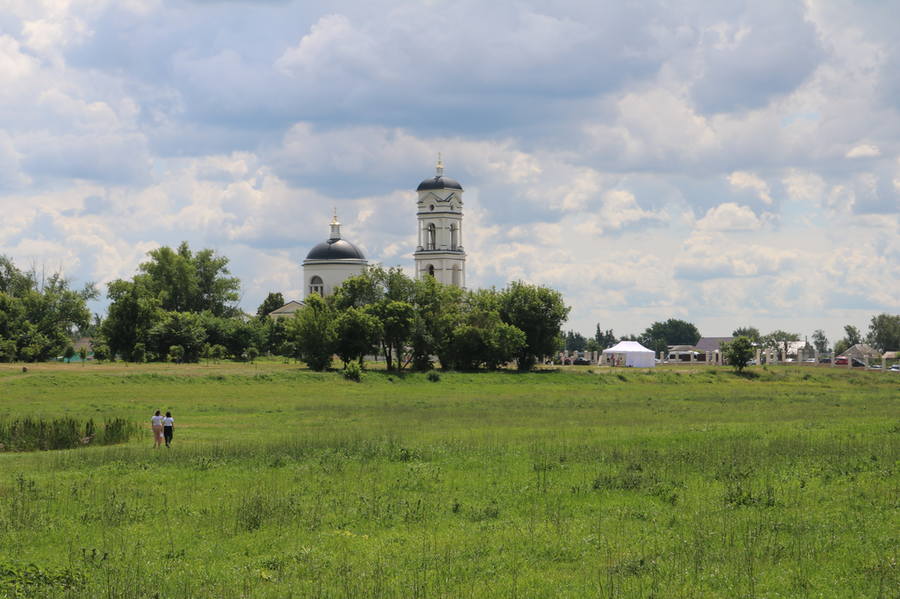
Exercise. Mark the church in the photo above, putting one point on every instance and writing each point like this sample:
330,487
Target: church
439,247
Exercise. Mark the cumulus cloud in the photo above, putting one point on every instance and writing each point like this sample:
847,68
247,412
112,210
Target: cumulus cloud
730,217
863,151
587,136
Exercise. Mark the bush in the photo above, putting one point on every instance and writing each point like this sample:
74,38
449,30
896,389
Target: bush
353,372
434,377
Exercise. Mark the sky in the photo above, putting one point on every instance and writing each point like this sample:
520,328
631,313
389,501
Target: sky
728,163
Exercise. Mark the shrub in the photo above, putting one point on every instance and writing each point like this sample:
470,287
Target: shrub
434,377
353,372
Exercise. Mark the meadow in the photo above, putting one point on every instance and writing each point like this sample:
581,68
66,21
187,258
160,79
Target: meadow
577,482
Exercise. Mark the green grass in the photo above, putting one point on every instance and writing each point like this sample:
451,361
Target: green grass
687,482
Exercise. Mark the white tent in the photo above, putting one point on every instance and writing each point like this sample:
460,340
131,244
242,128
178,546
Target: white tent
631,353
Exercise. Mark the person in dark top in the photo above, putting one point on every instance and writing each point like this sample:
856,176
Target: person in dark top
168,428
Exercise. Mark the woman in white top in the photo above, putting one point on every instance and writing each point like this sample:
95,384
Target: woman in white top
168,428
157,423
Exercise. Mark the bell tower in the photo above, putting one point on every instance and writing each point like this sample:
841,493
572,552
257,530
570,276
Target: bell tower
439,252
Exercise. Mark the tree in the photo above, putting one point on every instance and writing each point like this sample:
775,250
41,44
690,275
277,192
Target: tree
779,340
272,302
575,341
605,339
252,354
357,332
751,333
397,320
539,313
853,336
176,354
312,329
132,312
738,352
185,282
101,351
184,329
660,335
69,353
820,341
82,353
884,332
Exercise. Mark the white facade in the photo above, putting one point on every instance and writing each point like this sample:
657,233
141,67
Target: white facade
330,263
439,250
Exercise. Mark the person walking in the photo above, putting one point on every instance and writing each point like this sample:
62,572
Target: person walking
168,428
156,422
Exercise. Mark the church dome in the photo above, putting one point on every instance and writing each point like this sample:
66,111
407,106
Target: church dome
335,249
439,182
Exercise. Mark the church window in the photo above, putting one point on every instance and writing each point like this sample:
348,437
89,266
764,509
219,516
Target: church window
316,285
431,270
454,237
431,234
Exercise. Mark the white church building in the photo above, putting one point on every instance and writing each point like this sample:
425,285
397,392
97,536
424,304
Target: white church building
439,251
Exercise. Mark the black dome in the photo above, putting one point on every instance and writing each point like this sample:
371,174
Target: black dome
439,183
335,249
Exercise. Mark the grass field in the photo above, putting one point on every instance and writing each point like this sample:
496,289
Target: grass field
688,482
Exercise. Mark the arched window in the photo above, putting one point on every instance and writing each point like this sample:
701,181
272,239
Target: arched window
456,277
431,269
454,236
316,285
430,235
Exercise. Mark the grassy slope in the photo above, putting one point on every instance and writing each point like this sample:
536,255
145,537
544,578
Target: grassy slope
687,482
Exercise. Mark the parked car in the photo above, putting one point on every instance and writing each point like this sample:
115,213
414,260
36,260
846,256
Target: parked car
895,368
581,362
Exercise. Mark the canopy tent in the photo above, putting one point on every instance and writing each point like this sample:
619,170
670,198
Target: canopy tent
631,353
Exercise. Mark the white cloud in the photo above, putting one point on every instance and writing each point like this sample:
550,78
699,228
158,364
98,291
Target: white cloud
729,217
744,180
863,151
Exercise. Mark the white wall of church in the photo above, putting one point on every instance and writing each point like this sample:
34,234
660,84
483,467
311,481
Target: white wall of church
331,274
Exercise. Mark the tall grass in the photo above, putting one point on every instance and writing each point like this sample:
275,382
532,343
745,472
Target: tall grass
31,434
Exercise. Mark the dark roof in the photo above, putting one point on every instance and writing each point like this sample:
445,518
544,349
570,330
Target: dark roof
712,343
335,249
439,183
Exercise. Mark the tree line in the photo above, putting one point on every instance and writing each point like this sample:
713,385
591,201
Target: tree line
181,306
883,334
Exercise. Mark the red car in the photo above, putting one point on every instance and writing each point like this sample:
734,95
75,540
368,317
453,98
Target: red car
840,361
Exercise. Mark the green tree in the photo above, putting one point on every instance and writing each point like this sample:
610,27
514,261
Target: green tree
670,332
69,353
272,302
184,329
138,353
185,282
539,312
176,354
397,319
357,332
738,352
779,340
312,329
751,333
605,339
884,332
820,341
82,353
252,354
101,350
853,335
132,312
575,341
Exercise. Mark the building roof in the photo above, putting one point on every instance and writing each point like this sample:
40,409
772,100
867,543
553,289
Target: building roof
861,350
439,182
335,249
891,355
286,310
712,343
626,347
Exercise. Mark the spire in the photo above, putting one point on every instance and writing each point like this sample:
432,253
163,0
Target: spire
335,226
439,166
